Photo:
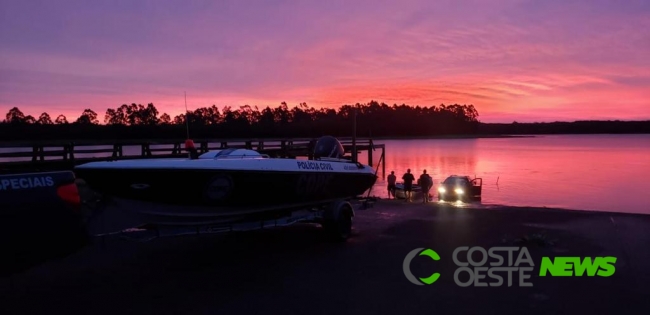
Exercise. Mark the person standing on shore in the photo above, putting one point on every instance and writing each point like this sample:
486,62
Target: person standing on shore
425,182
408,184
391,184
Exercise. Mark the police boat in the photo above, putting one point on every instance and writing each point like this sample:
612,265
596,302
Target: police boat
228,182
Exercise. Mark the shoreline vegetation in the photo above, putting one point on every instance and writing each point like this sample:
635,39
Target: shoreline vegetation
373,120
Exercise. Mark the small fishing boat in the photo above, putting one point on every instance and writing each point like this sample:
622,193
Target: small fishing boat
416,191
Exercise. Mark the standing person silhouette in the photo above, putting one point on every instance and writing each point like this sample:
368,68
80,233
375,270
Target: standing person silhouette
425,182
391,184
408,184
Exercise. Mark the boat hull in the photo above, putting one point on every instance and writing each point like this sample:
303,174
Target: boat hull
225,188
123,214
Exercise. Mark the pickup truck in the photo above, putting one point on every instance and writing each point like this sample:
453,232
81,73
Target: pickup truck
40,219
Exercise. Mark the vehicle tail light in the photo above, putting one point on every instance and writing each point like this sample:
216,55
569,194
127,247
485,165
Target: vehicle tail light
70,194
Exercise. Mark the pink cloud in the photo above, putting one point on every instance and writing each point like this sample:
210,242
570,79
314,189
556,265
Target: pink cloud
510,58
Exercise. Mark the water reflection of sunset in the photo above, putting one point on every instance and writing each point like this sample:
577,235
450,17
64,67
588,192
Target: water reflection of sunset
599,172
436,158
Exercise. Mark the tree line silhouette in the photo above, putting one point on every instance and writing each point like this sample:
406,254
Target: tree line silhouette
374,119
137,121
575,127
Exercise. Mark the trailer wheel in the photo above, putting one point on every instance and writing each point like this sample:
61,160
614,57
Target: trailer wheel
338,221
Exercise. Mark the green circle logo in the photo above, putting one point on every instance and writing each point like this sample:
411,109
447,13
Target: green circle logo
406,266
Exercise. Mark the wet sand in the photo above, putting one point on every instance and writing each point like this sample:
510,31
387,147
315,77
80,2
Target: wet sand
295,270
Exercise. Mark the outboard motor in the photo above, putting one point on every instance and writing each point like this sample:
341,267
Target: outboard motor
328,147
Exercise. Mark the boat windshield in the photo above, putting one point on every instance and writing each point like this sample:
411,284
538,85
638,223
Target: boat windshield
233,153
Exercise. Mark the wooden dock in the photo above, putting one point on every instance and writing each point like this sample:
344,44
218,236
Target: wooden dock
62,155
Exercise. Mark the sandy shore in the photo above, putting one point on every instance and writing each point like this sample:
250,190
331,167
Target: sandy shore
295,270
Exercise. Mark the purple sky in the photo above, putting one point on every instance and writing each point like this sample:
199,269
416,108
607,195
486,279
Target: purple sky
513,59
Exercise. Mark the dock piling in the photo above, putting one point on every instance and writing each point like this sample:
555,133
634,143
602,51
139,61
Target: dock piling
383,162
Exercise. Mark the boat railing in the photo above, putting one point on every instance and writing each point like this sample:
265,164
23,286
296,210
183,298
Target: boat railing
333,159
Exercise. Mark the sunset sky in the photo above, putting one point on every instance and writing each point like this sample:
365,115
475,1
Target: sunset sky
524,60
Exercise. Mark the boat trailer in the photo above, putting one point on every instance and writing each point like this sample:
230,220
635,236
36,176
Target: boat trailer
335,216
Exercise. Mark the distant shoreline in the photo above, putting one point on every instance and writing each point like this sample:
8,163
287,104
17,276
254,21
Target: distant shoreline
450,137
496,136
22,143
370,127
364,137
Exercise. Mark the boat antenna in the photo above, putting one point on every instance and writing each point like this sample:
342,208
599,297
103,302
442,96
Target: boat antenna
354,136
189,144
187,121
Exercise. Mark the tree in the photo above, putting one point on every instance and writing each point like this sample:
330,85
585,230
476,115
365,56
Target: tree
88,117
148,115
281,114
61,120
165,119
15,116
179,119
267,118
112,118
116,116
134,114
44,119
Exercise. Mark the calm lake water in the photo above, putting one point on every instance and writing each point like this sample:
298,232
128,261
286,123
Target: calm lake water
582,172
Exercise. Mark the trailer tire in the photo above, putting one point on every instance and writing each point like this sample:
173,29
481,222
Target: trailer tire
337,222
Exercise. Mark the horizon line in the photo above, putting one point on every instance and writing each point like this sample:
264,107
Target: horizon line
261,107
